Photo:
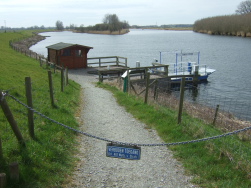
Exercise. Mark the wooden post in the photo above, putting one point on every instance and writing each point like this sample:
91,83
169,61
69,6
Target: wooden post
62,80
66,76
128,82
51,88
182,91
47,64
196,76
54,67
166,70
1,149
117,61
2,180
156,89
40,60
8,114
216,114
100,77
147,87
14,171
29,103
169,84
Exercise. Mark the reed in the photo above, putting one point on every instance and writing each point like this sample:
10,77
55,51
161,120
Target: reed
234,25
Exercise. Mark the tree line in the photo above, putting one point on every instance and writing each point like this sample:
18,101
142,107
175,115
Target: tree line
238,24
110,23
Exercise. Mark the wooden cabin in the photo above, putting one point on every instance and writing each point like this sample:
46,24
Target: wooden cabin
68,55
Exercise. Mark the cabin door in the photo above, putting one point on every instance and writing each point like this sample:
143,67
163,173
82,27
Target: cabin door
78,59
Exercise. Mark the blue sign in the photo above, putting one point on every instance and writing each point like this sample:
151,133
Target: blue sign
123,151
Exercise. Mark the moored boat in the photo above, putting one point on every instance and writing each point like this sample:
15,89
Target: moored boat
183,66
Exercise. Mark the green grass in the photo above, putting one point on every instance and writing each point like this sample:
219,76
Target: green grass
223,162
48,160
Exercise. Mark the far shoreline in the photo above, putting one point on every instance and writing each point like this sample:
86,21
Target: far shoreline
122,32
171,29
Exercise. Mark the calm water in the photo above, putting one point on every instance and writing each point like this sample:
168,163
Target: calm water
230,85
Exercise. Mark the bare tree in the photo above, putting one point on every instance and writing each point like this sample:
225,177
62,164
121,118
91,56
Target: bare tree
244,7
59,25
110,19
113,21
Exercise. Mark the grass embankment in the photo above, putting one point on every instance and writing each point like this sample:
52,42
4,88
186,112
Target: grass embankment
47,160
224,162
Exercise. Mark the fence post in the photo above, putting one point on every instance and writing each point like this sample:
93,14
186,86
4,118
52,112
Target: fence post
117,60
99,62
2,180
66,76
156,89
182,89
29,103
1,149
8,114
40,60
47,63
216,114
14,171
51,88
169,84
100,77
147,87
62,79
166,70
128,82
196,76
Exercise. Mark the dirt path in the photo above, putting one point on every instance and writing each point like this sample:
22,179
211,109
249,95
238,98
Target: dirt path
103,117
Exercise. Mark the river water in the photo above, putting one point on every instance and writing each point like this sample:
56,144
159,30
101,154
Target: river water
229,86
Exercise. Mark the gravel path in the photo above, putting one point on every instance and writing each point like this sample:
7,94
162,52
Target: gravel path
103,117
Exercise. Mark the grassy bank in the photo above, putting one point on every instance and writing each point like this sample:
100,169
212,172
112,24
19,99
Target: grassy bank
47,160
224,162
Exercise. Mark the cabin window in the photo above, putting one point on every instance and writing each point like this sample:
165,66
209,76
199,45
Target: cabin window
66,52
78,53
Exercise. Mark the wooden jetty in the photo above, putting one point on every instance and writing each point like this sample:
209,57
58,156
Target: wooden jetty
115,66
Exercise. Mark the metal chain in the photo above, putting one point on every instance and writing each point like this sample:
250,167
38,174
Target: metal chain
125,143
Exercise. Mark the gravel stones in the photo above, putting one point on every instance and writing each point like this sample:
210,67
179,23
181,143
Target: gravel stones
103,117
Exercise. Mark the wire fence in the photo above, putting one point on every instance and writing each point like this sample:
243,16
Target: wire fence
23,112
229,144
223,112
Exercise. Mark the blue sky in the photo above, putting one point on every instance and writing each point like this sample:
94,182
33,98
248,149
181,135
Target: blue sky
26,13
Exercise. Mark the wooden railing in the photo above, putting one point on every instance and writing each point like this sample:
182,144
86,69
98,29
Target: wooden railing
107,61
